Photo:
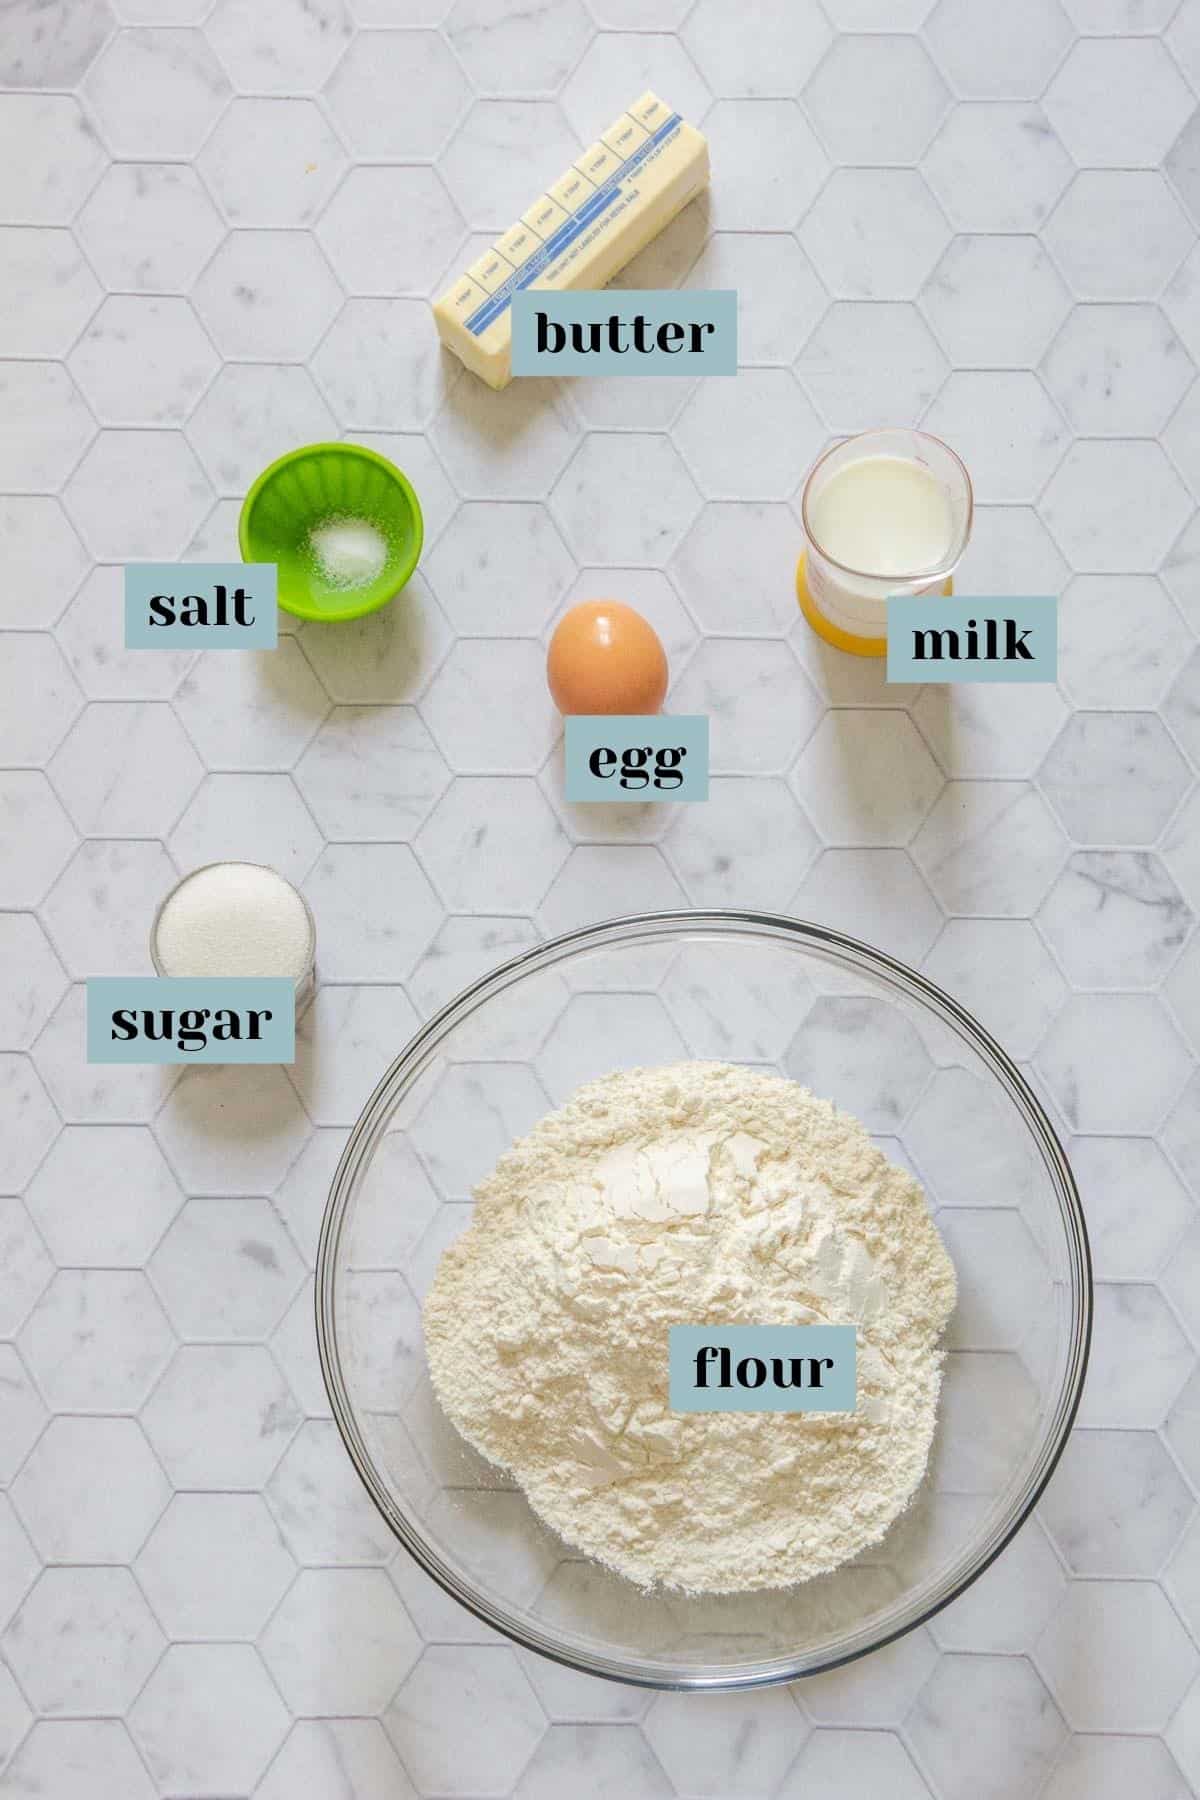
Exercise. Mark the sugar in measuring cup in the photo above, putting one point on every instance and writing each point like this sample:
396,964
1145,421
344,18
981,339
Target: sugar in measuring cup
886,512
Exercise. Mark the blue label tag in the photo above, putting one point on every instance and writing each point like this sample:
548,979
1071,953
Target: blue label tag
201,606
193,1019
617,756
935,637
763,1368
625,331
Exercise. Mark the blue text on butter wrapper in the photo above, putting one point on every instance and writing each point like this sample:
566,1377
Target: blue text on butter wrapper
191,1019
201,606
635,756
763,1368
936,638
624,331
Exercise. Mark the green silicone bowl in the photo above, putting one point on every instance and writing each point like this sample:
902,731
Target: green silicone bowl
320,482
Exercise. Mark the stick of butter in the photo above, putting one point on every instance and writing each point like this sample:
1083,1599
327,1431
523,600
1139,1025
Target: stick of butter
581,232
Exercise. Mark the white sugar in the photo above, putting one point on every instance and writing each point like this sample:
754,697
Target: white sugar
348,552
234,918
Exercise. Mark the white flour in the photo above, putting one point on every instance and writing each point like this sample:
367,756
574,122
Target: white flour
700,1193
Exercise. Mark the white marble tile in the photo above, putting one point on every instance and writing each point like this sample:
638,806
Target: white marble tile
38,697
1115,1062
83,1642
997,166
221,1417
32,979
1115,919
36,836
615,1761
379,65
779,296
294,1347
985,1727
322,1756
200,1533
1109,1767
728,1744
866,778
492,842
51,158
872,894
874,234
1116,1504
727,1010
1117,370
1090,506
143,360
25,1269
300,1198
209,1719
1099,663
964,301
597,501
474,1112
457,707
133,1196
272,162
761,705
149,227
464,573
260,1128
870,359
1001,970
156,93
90,1490
1140,1360
387,656
225,1269
247,414
341,1641
746,196
1118,103
97,1340
754,442
126,769
786,45
530,51
864,1054
873,1761
1129,1242
1005,1608
376,911
849,99
727,854
509,1721
252,818
78,1759
30,1120
371,772
137,495
1084,1654
1116,778
321,1505
267,295
100,911
1007,428
91,635
1118,234
44,426
47,291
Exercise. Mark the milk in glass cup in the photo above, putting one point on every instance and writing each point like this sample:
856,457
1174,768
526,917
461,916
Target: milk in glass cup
886,512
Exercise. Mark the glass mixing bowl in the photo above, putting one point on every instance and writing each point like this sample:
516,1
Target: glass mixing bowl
854,1026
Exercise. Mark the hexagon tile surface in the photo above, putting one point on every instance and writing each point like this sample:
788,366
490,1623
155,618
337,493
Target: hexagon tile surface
220,224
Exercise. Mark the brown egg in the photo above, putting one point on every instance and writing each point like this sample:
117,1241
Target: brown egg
605,658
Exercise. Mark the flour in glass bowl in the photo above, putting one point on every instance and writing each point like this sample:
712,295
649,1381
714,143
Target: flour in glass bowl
699,1193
